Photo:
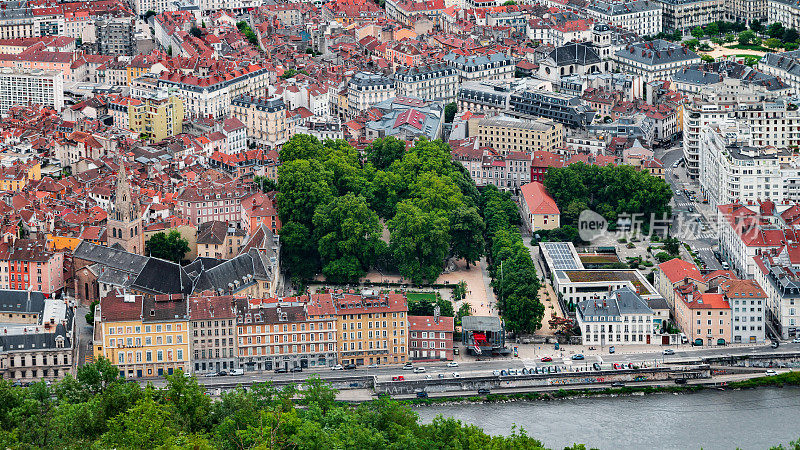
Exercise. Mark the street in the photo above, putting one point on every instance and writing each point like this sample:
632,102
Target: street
693,224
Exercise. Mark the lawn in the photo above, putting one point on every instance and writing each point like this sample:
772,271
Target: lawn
756,57
759,48
588,276
421,296
598,259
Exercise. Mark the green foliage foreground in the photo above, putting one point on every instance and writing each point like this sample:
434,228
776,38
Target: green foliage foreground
98,410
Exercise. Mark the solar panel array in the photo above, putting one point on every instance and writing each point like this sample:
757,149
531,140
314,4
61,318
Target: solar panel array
561,255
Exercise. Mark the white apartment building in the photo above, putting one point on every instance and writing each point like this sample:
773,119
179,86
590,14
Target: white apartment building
778,274
265,119
685,15
642,17
438,82
654,60
622,318
748,310
491,67
31,86
366,89
211,96
785,12
770,121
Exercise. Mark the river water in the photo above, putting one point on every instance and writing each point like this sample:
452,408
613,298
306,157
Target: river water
749,419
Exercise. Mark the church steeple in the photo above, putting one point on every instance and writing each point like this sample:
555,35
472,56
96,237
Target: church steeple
124,220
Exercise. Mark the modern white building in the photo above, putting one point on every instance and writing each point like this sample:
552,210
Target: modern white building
491,67
31,86
748,304
654,60
778,274
366,89
437,82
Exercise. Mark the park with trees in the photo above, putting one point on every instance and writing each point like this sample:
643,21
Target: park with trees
98,409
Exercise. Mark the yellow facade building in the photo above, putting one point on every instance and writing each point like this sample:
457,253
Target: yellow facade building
157,117
143,336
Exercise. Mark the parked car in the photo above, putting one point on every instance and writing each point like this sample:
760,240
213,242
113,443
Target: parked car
422,394
483,391
680,381
577,357
796,340
496,373
617,384
236,372
349,367
513,372
611,349
770,373
669,351
296,369
456,375
211,374
398,378
775,344
596,366
337,367
546,359
223,373
441,375
428,377
408,366
419,369
281,370
373,366
452,364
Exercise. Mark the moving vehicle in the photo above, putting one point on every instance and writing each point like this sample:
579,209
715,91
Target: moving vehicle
373,366
617,384
680,381
456,375
211,374
611,349
408,366
422,394
577,357
483,391
770,373
496,373
796,340
775,344
419,369
452,364
398,378
669,351
337,367
281,370
725,265
546,359
349,367
296,369
236,372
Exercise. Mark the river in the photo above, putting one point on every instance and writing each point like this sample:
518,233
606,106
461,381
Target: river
749,419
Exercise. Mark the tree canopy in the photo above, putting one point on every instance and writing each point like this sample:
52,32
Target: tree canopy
334,205
80,413
172,247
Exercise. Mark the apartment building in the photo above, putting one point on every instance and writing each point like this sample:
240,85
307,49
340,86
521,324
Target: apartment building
430,338
785,12
31,86
438,82
642,17
220,203
265,119
491,67
213,333
748,304
115,36
485,167
778,275
28,264
622,318
762,118
157,117
38,342
366,89
566,109
373,327
144,336
674,273
654,60
286,334
217,239
509,134
685,15
749,10
705,318
211,95
784,65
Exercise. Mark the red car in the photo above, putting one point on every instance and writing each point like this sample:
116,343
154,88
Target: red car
546,359
399,378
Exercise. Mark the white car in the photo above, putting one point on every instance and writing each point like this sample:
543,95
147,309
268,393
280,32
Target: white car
337,367
452,364
796,340
496,373
236,372
419,369
373,366
456,375
770,373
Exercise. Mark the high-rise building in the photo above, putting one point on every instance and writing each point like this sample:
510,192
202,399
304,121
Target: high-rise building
31,86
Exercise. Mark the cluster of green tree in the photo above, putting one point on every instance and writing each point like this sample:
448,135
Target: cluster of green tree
511,267
172,247
565,233
675,36
289,73
719,28
265,184
333,205
99,410
671,249
425,308
245,29
609,191
196,32
450,111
